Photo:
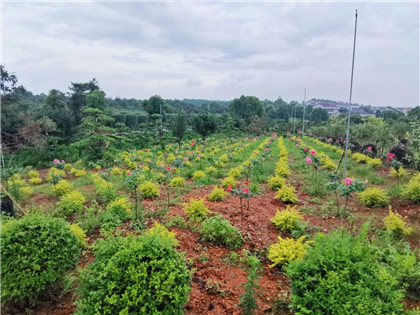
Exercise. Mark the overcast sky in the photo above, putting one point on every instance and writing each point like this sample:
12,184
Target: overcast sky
217,50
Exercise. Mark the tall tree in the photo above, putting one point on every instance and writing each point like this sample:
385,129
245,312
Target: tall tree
78,97
204,124
179,126
246,107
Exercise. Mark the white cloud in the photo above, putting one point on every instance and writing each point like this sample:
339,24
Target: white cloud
217,50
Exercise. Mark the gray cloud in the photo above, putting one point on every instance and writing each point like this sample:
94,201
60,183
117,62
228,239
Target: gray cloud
217,50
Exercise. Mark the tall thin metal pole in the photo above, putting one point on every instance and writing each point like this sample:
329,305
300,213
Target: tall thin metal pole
303,119
351,90
294,120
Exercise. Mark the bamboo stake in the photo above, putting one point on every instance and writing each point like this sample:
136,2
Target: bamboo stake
8,195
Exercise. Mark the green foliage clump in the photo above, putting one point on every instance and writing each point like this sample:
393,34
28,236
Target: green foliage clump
105,190
71,202
343,277
121,208
149,189
211,170
412,189
36,251
276,182
176,221
229,181
161,231
134,275
282,169
374,197
198,175
79,233
287,220
235,173
220,231
33,177
196,210
178,182
61,188
54,175
287,194
18,188
374,162
287,250
217,194
395,223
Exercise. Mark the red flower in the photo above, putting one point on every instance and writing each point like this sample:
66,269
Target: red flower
228,189
128,173
174,169
246,190
246,183
389,158
168,168
306,149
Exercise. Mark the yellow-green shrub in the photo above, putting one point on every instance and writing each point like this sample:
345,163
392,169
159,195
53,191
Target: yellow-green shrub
359,157
211,170
287,194
276,182
68,166
394,222
217,194
412,189
228,181
162,232
78,173
18,188
178,182
149,189
235,173
54,174
61,188
33,174
401,173
79,233
105,190
288,219
71,202
374,197
374,162
116,171
198,175
120,205
282,169
35,180
286,250
196,210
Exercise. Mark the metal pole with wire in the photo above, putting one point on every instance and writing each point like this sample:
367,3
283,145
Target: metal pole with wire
303,118
351,90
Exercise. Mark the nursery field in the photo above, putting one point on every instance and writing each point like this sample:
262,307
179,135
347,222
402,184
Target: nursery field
226,225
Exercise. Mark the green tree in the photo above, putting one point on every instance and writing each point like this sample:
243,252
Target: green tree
96,99
78,97
179,126
154,105
246,107
319,114
204,124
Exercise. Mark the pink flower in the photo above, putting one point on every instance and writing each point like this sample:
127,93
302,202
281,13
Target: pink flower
369,148
306,149
389,158
128,173
62,161
161,165
313,152
309,160
186,159
348,181
168,168
56,161
199,155
297,144
246,190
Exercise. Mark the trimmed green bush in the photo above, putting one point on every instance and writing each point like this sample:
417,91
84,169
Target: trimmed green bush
374,197
220,231
142,275
119,119
142,119
341,274
36,251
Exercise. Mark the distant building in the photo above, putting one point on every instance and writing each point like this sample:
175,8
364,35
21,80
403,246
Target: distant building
404,110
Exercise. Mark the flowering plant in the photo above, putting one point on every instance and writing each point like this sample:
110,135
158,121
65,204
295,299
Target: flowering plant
241,192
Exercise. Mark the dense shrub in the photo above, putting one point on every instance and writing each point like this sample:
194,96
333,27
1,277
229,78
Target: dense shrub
54,175
178,182
142,275
395,223
196,210
276,182
149,189
400,150
220,231
131,121
235,173
342,276
18,188
35,252
71,202
61,188
121,208
412,189
287,194
198,175
79,233
282,169
229,181
374,197
105,190
288,219
217,194
287,250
